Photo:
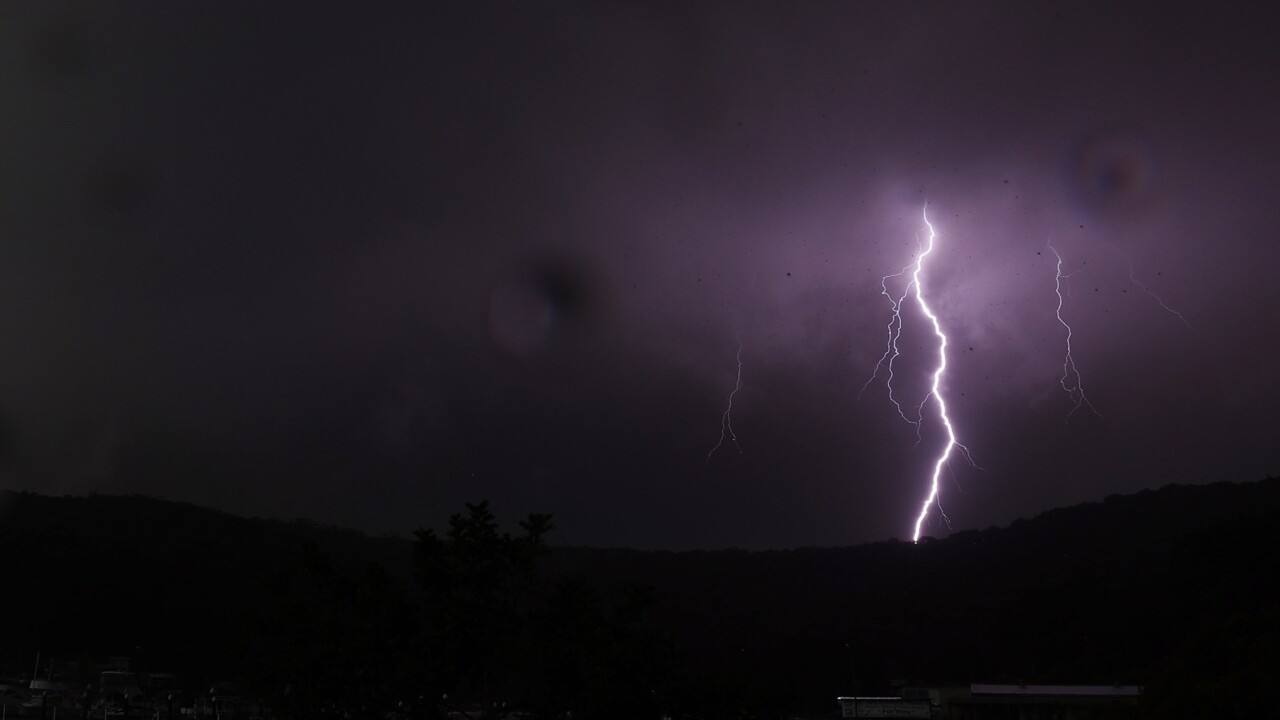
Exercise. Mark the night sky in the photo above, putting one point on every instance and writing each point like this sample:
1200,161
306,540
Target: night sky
364,265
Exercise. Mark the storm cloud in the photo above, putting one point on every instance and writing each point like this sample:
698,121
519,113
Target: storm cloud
363,264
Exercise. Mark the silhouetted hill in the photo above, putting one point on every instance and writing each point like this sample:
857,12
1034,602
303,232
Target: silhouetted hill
1168,587
169,583
1096,593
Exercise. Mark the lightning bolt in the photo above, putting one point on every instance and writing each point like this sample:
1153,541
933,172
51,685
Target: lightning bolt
1070,380
893,331
726,420
935,389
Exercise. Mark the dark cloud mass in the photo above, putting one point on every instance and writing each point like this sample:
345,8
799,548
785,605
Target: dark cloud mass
364,264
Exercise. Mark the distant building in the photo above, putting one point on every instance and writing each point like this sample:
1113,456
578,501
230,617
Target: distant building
1043,702
885,707
1001,702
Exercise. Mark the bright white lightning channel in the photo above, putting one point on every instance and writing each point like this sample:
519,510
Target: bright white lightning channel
726,419
894,331
935,389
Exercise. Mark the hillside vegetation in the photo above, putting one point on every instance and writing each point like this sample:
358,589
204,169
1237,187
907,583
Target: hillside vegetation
1171,588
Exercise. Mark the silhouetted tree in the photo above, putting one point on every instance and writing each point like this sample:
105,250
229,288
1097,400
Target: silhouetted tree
336,642
478,584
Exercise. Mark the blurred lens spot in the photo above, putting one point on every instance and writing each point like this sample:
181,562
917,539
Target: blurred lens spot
520,317
1113,173
540,302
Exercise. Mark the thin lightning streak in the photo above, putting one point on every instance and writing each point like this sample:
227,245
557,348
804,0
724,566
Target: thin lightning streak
943,513
891,352
1070,380
935,390
726,420
1133,279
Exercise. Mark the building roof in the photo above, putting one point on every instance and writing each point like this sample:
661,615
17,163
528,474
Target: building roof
1058,690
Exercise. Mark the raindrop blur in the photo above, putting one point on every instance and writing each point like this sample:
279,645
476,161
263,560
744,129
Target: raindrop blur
1113,173
540,303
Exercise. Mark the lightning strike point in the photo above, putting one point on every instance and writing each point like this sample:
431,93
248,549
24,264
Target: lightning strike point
726,419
